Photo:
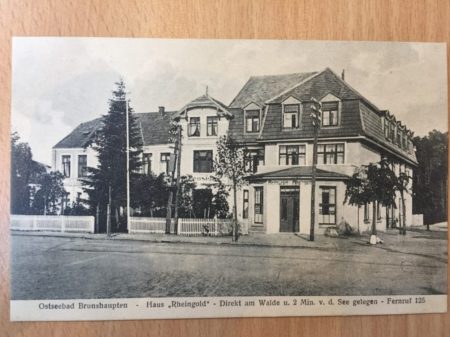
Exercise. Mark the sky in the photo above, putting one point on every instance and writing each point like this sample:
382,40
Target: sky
59,83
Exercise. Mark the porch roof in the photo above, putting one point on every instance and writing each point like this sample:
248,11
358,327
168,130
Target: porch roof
298,172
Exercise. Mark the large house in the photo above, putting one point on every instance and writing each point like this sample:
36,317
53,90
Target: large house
270,117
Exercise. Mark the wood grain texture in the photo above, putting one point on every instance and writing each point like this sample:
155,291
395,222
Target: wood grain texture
402,20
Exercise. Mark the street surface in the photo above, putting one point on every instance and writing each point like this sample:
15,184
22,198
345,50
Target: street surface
76,268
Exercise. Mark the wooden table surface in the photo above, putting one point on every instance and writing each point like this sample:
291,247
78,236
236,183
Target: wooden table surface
402,20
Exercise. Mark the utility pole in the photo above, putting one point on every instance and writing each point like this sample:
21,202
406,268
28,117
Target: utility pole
172,168
316,116
178,184
108,213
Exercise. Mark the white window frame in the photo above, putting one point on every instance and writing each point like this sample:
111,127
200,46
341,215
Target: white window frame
252,107
330,98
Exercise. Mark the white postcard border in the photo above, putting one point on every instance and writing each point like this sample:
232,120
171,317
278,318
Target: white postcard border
221,307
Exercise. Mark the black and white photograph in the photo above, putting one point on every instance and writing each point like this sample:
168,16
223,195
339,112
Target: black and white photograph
170,178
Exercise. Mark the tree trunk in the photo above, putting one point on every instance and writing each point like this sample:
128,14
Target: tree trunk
235,223
374,218
403,213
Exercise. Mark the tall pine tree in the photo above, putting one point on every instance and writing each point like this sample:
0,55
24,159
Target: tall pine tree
110,144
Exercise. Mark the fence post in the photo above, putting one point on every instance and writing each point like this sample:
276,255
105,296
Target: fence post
34,222
180,221
92,224
63,224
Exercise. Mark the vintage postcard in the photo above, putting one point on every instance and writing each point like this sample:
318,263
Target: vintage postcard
165,178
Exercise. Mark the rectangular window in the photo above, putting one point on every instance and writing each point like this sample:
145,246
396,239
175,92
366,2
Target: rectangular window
399,138
327,206
392,132
291,114
404,142
330,153
165,159
203,161
66,166
259,204
330,113
82,165
366,212
387,129
253,158
252,120
211,126
292,155
147,163
194,127
245,205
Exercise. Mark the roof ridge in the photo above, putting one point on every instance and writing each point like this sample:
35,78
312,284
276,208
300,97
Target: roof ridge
284,74
314,74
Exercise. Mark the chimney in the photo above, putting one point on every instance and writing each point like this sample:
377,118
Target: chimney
161,110
343,74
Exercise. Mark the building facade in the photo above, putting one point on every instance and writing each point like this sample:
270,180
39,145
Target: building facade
271,118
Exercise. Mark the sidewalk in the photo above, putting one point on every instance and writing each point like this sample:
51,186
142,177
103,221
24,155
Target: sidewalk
391,237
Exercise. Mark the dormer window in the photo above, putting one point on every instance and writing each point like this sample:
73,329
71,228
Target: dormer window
252,120
331,110
386,128
291,116
392,131
194,127
330,113
405,142
399,137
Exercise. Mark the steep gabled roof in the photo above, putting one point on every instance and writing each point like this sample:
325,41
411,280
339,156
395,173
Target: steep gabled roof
81,135
155,126
359,117
206,101
154,130
259,89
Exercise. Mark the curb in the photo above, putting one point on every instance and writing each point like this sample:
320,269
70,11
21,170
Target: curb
209,243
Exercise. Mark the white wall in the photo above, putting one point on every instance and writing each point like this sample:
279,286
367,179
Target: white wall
73,184
355,155
203,142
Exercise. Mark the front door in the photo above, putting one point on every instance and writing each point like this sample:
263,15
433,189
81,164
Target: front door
289,209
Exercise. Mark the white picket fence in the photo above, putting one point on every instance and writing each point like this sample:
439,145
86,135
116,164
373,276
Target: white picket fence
58,223
187,227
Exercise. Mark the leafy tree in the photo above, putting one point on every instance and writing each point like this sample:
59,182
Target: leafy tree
110,144
49,195
230,164
150,194
220,200
185,200
24,172
374,183
431,177
202,202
